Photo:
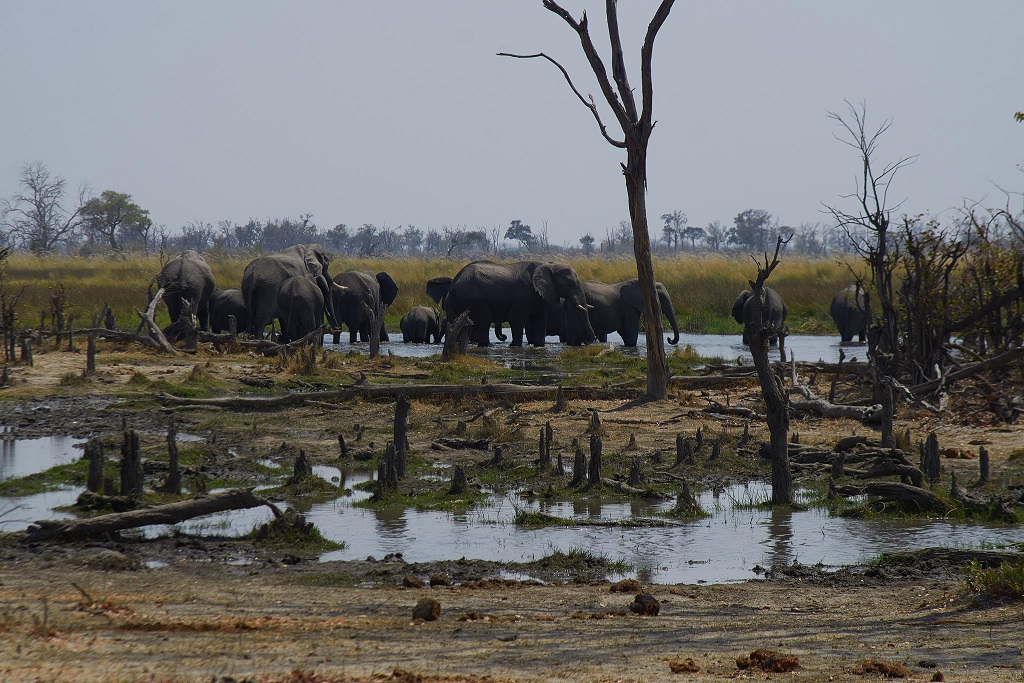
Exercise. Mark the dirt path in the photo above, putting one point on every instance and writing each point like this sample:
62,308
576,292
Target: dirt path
263,623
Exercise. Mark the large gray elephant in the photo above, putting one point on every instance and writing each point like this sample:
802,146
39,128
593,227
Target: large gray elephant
850,311
743,311
362,289
421,325
301,306
187,278
618,308
225,303
518,293
263,277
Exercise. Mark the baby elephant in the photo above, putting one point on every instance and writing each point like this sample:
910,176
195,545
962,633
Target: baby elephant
420,325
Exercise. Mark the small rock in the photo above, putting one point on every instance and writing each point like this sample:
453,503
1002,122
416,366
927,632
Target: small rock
427,609
411,581
683,666
646,605
291,559
440,580
627,586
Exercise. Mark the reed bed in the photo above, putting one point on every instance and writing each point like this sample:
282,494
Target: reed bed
702,287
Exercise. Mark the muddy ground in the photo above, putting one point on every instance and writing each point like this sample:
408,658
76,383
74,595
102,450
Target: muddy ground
224,610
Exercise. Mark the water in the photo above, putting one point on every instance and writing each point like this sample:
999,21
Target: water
22,457
726,346
733,544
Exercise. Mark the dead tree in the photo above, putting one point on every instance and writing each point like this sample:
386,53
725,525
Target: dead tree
94,454
131,466
759,332
636,127
873,216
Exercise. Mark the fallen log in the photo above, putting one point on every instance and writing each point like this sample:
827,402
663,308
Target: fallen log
822,408
892,492
705,381
171,513
413,391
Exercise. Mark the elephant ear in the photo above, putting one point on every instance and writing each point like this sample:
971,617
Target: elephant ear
316,259
544,284
737,308
437,287
632,296
388,288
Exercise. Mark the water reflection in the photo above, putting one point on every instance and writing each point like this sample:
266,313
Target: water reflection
780,538
22,457
725,346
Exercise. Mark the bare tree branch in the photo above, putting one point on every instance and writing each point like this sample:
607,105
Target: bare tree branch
588,104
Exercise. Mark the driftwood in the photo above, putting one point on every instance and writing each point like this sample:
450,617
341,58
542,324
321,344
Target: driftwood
412,391
154,330
967,371
822,408
892,492
171,513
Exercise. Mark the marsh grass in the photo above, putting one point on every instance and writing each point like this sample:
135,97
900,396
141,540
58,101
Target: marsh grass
702,286
580,560
1005,582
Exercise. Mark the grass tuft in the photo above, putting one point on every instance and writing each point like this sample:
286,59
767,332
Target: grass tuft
1005,582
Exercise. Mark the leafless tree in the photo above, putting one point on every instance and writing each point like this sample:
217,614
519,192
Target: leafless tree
872,218
715,235
36,216
760,331
636,126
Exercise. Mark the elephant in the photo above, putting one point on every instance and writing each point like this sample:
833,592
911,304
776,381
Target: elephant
301,306
518,293
420,325
618,308
437,287
224,303
187,278
263,277
851,311
362,289
743,311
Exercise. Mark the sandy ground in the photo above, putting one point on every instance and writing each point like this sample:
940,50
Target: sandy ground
92,612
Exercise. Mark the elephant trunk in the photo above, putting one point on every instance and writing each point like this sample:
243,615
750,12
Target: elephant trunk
328,293
669,312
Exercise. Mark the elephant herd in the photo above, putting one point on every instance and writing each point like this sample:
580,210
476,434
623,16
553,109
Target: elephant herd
535,299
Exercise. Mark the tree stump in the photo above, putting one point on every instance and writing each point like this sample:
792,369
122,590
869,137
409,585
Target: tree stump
456,339
838,464
459,484
90,354
579,464
387,472
746,434
699,440
71,333
559,400
983,466
26,351
131,466
932,463
302,467
342,446
594,469
636,473
680,454
401,436
716,449
888,441
498,457
174,471
94,454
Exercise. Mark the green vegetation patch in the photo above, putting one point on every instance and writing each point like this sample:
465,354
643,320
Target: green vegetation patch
579,561
60,476
292,533
1005,582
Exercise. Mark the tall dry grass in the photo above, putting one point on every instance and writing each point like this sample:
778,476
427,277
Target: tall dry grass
702,287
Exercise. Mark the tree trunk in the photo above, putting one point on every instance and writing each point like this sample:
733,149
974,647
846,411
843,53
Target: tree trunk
636,184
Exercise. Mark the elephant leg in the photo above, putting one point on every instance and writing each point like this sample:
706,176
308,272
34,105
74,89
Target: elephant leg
481,317
602,338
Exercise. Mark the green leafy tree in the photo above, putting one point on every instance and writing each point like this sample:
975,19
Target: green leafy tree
692,233
522,233
675,223
587,242
750,229
114,216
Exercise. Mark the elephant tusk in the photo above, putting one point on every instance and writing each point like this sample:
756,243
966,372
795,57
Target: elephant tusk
589,307
340,288
581,307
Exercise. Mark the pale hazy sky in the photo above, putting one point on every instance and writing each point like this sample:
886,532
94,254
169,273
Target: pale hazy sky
399,112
